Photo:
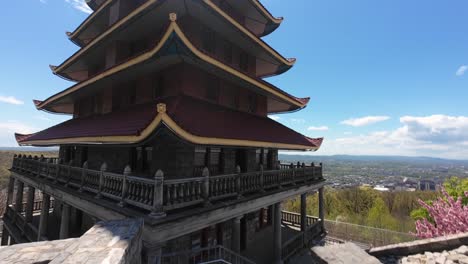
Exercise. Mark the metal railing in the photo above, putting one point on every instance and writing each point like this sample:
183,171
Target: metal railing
371,236
158,194
216,254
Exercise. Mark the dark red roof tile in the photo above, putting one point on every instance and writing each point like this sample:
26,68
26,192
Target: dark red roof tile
197,117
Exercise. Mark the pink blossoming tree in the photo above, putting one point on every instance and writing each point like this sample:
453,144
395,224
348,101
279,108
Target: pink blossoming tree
448,216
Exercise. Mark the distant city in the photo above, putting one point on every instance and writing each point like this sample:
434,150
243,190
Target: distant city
384,173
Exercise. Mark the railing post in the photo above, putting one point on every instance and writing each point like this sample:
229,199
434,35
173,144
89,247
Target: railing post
158,209
101,180
238,182
47,168
303,166
57,171
313,171
321,170
83,175
293,174
262,179
126,173
206,186
70,163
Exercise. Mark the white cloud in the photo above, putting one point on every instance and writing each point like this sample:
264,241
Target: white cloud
80,5
10,100
435,135
274,117
43,118
364,121
318,128
461,71
9,128
297,120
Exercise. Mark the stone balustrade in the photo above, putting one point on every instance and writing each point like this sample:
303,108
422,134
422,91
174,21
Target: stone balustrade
159,195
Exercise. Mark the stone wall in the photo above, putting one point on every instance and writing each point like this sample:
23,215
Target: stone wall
107,242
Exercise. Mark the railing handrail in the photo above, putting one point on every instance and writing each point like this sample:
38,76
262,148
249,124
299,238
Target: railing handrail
367,227
158,194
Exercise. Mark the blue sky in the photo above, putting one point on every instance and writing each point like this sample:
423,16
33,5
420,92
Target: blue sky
385,77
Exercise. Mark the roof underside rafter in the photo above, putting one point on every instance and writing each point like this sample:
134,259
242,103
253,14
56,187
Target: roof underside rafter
174,32
63,70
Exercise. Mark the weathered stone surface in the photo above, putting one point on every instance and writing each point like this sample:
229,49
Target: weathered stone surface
438,244
343,253
106,242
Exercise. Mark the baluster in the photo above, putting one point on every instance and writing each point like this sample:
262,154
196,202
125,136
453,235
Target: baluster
83,175
57,171
262,179
174,193
182,191
102,170
238,182
206,186
126,173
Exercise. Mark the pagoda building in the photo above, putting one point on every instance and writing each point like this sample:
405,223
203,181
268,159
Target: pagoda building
170,124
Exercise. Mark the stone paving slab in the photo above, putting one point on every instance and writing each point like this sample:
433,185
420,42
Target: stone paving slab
106,242
347,253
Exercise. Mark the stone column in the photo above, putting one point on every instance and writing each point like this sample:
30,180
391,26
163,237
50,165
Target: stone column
11,189
43,222
321,209
236,234
303,212
19,196
5,236
30,204
65,221
277,246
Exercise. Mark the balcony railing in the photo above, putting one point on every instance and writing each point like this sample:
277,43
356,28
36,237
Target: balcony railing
159,195
216,254
314,230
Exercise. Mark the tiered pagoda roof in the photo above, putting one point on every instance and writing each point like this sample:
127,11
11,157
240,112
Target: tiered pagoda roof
207,124
193,120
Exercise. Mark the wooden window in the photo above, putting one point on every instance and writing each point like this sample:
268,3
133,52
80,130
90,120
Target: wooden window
253,103
208,40
116,99
228,53
158,87
212,88
144,156
244,62
98,104
200,156
258,156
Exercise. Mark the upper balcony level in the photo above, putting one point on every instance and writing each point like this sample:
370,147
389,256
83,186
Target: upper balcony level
158,197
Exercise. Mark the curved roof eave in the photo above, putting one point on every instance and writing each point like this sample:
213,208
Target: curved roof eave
174,28
267,14
162,118
58,69
87,21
